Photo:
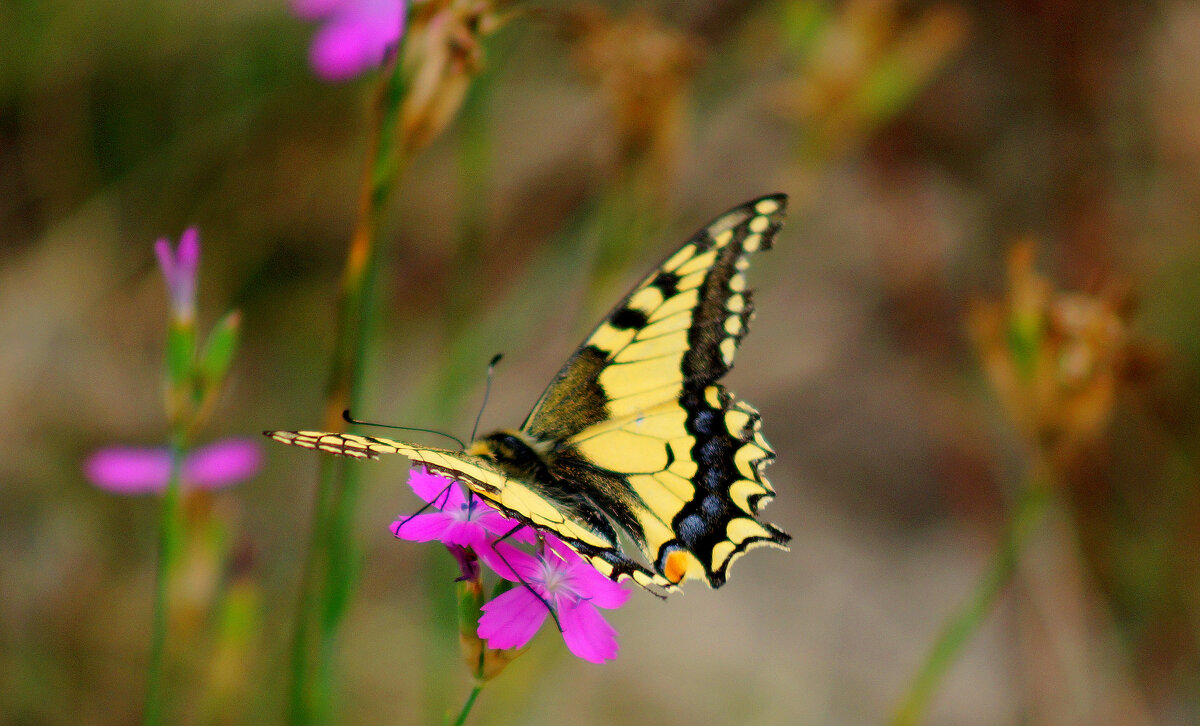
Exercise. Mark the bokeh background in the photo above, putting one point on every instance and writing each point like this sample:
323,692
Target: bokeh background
920,141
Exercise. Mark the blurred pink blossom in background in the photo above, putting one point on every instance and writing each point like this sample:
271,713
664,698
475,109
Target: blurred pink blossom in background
356,34
133,470
179,269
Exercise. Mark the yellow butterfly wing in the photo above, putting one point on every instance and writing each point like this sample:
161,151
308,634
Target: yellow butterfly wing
509,495
672,458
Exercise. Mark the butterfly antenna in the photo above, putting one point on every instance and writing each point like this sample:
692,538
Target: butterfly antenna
487,390
350,419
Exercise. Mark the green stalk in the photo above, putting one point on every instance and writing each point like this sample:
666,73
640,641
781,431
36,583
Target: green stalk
466,709
963,625
474,650
331,566
302,700
169,538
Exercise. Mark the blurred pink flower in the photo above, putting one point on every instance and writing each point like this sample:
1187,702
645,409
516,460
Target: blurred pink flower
179,269
568,584
456,520
356,36
139,470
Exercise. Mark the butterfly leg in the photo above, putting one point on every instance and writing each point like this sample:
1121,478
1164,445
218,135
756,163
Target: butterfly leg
439,501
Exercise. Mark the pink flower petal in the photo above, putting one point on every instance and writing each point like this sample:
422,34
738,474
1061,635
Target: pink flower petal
179,270
603,592
421,527
145,470
497,556
587,580
222,464
341,50
356,35
586,633
166,260
129,470
512,619
187,255
498,524
504,559
437,490
381,21
447,494
465,534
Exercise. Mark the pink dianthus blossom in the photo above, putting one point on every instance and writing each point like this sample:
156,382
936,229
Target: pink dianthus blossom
456,520
356,37
568,584
145,470
556,577
179,269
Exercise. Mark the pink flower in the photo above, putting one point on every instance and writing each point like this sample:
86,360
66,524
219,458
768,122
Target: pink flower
356,37
179,269
556,578
138,470
565,582
456,521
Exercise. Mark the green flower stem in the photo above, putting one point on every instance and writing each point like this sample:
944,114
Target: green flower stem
466,709
331,565
960,628
302,698
169,542
470,601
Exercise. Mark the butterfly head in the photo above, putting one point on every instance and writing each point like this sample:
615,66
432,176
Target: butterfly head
512,452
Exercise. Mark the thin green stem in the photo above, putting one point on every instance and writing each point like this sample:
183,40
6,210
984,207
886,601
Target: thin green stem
169,537
963,625
466,709
300,696
331,565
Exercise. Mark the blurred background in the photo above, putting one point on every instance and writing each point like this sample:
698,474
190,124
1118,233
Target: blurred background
919,141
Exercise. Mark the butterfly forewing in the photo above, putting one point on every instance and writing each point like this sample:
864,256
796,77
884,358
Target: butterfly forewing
682,322
522,501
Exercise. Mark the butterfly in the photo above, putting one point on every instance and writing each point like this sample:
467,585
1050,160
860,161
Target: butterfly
634,455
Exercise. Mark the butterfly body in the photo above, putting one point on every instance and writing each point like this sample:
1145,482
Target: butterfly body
634,455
